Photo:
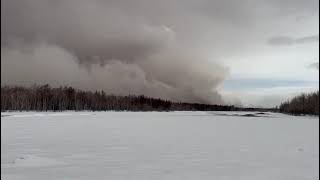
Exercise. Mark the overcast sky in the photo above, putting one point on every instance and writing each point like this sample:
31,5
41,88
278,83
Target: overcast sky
248,52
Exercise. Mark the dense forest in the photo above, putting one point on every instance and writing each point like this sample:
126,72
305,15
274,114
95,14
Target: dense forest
302,104
46,98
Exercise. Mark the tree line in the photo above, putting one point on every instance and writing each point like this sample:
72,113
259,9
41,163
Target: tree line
306,103
47,98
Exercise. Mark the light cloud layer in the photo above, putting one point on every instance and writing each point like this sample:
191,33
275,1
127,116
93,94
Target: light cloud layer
286,40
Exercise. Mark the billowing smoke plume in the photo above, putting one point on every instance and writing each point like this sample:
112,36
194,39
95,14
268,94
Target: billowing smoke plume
113,45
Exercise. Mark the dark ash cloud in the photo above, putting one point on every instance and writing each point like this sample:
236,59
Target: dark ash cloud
102,45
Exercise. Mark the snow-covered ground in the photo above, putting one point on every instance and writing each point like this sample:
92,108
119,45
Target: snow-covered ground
158,145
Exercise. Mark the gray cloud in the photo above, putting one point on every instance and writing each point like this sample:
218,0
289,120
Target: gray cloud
156,76
95,46
149,47
287,40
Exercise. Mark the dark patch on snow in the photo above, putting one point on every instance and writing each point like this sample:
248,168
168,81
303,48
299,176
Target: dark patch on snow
259,114
250,115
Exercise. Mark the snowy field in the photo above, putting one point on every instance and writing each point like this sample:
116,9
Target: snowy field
158,146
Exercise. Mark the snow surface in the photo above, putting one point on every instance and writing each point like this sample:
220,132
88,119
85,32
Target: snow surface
158,145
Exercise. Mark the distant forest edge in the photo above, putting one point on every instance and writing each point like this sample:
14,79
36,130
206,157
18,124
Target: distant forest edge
302,104
46,98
